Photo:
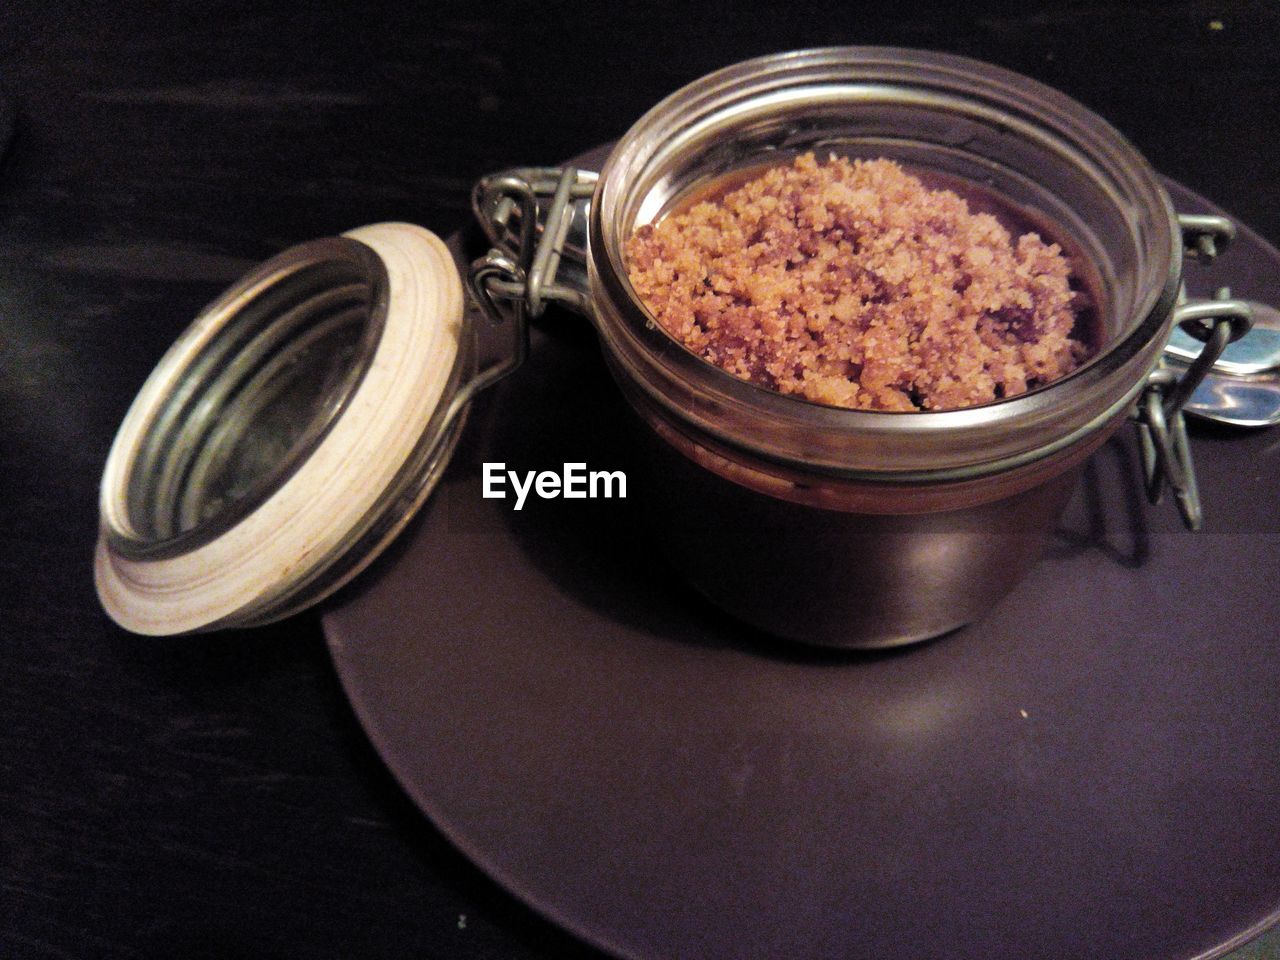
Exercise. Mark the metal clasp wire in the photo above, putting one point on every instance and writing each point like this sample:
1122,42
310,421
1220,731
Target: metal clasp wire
527,214
1162,429
520,275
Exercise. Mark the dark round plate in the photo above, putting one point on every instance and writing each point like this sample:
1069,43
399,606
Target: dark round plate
1091,771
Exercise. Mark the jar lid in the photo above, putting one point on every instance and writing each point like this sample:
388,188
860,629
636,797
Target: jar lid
287,436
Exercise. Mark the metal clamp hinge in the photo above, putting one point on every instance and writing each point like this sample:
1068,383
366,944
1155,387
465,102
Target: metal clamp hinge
535,217
537,256
1162,430
1205,235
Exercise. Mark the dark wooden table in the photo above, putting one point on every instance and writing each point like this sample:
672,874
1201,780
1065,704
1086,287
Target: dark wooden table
215,796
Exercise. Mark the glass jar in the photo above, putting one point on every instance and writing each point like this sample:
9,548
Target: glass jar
825,525
864,528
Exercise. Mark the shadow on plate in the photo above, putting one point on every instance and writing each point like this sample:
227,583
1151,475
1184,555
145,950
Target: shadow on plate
1108,514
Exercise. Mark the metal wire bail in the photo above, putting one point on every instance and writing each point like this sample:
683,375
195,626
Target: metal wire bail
534,259
536,217
1162,429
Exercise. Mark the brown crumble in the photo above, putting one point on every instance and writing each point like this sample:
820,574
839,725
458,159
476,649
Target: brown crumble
853,284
